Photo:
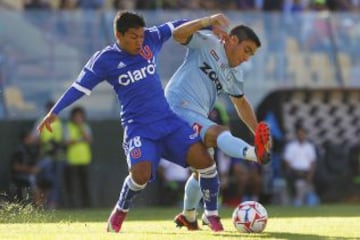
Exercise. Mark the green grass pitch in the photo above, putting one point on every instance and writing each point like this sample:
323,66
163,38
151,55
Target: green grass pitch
338,222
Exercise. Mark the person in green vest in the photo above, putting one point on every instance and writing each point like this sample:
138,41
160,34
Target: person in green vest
51,164
78,138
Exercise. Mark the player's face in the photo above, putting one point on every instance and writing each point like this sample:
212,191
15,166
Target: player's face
132,40
239,52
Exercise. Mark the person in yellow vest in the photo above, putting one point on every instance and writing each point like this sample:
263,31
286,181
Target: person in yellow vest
51,164
78,139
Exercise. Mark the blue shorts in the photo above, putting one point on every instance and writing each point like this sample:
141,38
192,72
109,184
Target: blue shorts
169,139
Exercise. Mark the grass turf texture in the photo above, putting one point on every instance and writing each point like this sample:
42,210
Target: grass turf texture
323,222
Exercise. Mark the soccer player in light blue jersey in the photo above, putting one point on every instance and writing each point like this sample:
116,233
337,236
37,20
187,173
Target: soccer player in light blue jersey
211,67
151,129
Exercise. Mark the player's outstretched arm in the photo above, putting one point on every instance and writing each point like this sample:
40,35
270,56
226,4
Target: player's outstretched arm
245,112
70,96
46,122
183,32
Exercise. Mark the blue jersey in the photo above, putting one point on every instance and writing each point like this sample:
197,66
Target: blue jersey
134,78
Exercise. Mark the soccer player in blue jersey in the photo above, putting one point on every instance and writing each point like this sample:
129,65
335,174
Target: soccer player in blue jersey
151,129
211,67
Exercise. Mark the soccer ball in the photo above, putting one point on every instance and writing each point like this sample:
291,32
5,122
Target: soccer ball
250,217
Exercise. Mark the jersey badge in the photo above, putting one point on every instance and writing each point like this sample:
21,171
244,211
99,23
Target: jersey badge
135,153
146,52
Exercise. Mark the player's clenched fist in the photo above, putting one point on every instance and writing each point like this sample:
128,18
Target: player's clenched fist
46,122
219,23
218,20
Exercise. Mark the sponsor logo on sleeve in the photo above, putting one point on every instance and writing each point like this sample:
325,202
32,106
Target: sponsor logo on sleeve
214,55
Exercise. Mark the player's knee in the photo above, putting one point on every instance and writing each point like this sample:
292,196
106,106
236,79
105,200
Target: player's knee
141,172
135,186
141,180
198,157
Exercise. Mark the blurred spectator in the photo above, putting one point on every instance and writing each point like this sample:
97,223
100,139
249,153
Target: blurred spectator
52,157
38,13
124,4
296,6
317,32
23,167
36,4
244,182
91,4
78,138
68,4
272,5
273,177
342,5
246,5
146,4
173,179
300,159
319,5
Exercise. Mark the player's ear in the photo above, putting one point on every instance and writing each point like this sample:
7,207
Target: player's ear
233,40
117,34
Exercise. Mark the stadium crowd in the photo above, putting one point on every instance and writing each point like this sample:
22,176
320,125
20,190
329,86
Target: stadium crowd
242,5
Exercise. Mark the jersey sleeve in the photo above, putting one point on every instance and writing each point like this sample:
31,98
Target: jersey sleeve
163,32
92,74
200,39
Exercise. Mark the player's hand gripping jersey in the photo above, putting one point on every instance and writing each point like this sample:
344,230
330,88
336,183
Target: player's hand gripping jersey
204,74
134,78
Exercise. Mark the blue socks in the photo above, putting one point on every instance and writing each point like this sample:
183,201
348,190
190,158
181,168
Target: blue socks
129,191
209,184
207,187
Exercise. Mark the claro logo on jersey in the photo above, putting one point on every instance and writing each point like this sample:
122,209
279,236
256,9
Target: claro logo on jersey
136,75
206,68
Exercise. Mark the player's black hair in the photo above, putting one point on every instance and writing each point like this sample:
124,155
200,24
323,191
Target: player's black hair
243,33
125,20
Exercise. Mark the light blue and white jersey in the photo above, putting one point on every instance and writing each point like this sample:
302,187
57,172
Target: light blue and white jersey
204,74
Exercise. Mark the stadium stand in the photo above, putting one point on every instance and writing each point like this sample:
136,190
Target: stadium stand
332,117
15,101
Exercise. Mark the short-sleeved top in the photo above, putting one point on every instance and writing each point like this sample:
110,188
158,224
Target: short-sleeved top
134,78
204,74
300,156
